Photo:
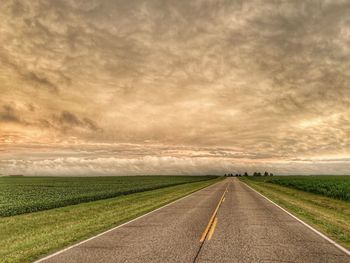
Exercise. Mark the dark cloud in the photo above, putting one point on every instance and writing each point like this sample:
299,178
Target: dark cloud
91,124
8,114
32,78
31,107
42,81
67,120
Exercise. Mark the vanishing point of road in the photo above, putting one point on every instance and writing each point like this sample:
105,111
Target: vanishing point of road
225,222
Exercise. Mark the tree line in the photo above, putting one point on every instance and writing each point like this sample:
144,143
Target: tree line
246,174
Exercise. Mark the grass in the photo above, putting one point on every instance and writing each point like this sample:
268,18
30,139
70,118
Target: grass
26,237
328,215
20,195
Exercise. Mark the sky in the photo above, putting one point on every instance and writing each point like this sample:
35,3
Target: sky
102,87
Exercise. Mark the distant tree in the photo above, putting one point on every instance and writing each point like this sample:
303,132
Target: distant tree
258,174
255,174
271,174
266,174
225,174
245,174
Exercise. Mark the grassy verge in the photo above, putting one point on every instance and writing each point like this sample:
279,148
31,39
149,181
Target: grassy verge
328,215
24,238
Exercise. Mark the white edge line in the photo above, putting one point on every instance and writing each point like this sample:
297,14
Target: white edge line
305,224
132,220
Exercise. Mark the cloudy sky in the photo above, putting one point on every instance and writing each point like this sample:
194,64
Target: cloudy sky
93,87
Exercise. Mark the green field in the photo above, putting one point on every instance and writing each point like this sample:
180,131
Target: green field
332,186
321,201
26,237
19,195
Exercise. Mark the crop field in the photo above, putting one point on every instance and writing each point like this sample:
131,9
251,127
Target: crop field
19,195
337,187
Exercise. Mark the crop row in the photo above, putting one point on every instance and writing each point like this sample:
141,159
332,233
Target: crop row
337,187
31,194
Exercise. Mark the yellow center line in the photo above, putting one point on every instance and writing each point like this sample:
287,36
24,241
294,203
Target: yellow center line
212,229
206,230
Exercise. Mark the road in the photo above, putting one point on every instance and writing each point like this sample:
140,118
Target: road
226,222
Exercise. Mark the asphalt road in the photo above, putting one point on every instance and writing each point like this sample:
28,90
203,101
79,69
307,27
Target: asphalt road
226,222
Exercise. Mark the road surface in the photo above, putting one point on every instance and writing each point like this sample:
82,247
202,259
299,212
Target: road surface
226,222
